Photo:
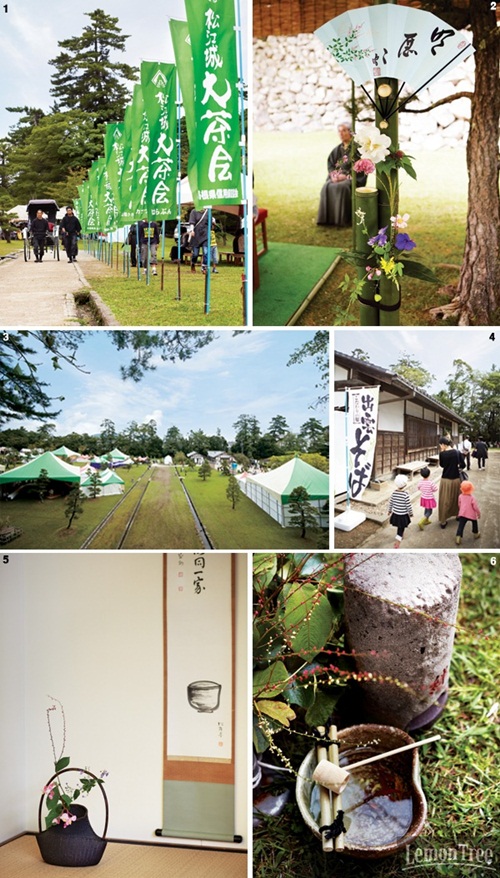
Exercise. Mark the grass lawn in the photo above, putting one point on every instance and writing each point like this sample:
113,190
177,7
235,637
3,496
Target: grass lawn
134,302
460,774
245,527
164,520
10,246
45,526
436,202
111,533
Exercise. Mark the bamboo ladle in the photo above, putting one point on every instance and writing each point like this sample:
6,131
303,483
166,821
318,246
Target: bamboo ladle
336,778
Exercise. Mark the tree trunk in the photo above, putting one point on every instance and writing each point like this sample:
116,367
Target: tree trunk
479,284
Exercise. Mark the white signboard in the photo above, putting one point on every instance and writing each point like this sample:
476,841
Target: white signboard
361,437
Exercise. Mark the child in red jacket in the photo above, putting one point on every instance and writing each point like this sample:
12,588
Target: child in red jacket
468,510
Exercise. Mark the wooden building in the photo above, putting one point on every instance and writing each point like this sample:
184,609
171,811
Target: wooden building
410,421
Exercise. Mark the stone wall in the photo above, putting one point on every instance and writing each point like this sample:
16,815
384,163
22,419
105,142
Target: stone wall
298,86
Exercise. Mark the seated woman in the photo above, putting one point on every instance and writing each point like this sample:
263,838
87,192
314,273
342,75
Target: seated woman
335,199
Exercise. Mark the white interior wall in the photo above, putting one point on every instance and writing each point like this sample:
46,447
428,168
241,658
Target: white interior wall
93,637
12,705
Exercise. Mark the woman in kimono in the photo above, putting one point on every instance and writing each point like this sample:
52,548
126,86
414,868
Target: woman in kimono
335,199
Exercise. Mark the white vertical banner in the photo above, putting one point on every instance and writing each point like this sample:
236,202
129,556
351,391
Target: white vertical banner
362,418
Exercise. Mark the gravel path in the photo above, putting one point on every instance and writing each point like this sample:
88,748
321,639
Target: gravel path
40,294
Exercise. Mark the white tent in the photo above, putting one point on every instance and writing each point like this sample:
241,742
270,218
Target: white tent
111,483
271,491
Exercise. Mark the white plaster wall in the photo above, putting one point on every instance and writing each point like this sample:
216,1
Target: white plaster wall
412,408
391,416
339,457
94,639
12,706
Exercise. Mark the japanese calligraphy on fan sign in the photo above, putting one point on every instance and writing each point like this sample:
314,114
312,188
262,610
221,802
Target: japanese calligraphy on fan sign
361,437
213,43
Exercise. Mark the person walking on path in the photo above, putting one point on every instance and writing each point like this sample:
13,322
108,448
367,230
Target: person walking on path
400,507
39,228
468,510
70,228
452,462
427,490
149,238
481,450
465,447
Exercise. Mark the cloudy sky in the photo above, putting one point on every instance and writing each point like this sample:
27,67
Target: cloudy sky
31,29
234,375
435,348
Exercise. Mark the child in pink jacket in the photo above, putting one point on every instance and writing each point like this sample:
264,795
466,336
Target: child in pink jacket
468,510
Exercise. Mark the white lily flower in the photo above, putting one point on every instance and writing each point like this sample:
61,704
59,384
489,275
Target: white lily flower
372,144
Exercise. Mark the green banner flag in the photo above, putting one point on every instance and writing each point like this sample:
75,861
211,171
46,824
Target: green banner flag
181,42
133,183
113,154
218,157
158,82
83,192
93,224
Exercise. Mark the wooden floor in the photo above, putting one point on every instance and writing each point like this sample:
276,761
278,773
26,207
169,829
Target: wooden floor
21,859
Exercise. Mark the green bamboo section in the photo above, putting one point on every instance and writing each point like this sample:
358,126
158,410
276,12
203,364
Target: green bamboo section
366,199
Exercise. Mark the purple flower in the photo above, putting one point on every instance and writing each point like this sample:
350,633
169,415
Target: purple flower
379,239
404,242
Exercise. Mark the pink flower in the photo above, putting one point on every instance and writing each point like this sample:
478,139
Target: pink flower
364,166
400,222
49,790
67,819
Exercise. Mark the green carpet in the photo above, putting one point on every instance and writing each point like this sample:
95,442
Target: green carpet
288,272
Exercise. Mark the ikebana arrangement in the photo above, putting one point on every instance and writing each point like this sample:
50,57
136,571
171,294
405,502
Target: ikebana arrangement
317,673
68,838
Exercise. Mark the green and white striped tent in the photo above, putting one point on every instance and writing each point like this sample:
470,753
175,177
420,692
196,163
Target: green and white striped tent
271,491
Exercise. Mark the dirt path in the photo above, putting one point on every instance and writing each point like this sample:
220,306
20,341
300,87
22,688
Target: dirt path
486,483
40,294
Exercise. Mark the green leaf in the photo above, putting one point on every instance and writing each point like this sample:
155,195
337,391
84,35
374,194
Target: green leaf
354,257
322,708
408,167
299,694
420,271
270,682
63,763
277,710
309,616
264,570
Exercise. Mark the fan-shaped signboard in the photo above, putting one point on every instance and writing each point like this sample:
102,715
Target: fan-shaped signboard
399,42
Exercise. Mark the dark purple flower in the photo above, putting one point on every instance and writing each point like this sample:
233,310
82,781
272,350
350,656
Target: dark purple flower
404,242
379,239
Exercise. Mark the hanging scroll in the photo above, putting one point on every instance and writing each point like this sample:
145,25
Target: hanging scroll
199,697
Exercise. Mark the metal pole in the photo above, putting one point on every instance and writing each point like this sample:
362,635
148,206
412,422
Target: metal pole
207,268
246,237
179,201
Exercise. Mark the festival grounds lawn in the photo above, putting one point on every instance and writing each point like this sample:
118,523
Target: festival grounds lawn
44,524
245,527
134,302
436,202
164,519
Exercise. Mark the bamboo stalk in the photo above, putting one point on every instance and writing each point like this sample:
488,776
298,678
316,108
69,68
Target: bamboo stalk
324,798
333,756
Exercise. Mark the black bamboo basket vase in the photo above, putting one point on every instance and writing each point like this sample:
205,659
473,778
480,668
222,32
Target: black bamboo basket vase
77,844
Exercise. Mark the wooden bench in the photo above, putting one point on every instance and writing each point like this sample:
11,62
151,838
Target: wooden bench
235,258
411,468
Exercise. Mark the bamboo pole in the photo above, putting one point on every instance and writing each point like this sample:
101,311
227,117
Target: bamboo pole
333,756
324,797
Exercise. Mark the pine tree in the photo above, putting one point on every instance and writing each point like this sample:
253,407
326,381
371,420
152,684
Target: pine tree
42,485
95,485
74,506
233,492
302,512
205,470
86,78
